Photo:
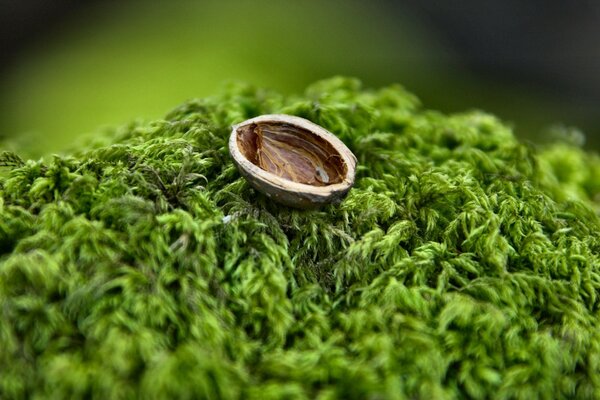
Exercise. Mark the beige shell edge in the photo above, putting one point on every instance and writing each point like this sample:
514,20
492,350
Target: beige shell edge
287,192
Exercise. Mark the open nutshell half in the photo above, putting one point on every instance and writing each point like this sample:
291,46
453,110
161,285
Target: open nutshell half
292,160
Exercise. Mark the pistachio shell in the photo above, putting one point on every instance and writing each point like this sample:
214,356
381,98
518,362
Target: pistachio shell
292,160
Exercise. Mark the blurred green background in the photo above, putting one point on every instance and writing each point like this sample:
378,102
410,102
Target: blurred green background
112,62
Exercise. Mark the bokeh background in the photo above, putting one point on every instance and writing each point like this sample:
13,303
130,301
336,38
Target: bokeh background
70,68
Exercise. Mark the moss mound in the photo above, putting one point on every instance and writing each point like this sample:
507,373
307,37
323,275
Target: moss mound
463,263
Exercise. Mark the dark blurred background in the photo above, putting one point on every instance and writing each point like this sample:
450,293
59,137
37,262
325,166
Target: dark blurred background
71,67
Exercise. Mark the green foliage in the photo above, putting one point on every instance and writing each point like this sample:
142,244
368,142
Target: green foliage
463,264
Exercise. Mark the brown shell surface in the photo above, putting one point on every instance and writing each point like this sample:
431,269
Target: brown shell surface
292,160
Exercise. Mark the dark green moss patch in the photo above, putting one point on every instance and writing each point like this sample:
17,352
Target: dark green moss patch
462,264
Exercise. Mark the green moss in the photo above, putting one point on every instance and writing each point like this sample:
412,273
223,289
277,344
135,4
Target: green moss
463,263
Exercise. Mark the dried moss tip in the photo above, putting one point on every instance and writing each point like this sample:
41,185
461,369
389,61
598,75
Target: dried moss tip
463,264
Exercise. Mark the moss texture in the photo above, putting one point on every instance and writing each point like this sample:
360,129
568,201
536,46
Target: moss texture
464,263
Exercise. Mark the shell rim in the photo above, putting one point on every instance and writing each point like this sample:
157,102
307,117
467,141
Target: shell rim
347,156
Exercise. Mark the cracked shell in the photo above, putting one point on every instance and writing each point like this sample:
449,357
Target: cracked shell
292,160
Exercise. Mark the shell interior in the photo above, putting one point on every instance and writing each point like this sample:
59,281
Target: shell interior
292,153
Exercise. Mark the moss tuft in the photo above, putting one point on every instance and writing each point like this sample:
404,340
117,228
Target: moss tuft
464,263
